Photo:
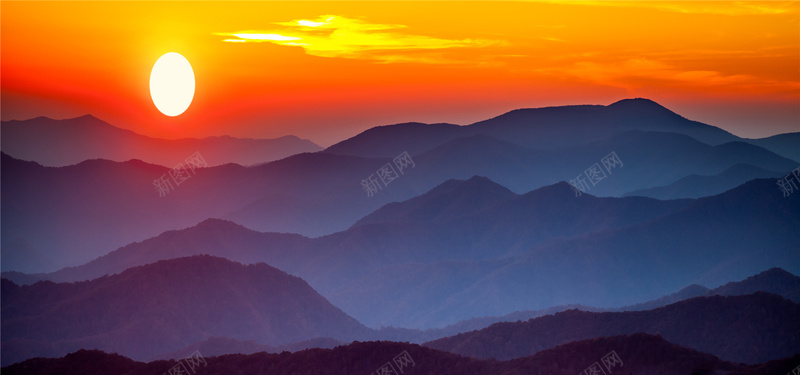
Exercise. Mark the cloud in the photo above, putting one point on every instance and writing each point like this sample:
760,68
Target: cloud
636,73
337,36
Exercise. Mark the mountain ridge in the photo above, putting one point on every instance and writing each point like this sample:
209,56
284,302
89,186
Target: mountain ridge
697,186
64,142
485,253
719,325
634,354
156,308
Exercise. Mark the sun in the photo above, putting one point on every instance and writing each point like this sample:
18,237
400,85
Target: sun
172,84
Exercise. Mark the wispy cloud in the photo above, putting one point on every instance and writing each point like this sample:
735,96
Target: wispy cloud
636,73
337,36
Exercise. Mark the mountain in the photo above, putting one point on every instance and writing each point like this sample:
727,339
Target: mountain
60,217
518,254
485,217
459,252
71,215
786,145
214,237
571,125
751,329
648,159
688,292
57,143
216,346
57,217
451,199
631,354
774,280
722,238
637,353
473,324
725,238
539,128
347,267
160,307
392,140
496,224
695,186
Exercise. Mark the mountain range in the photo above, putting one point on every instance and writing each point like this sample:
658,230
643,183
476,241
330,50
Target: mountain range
627,354
320,193
696,186
752,329
218,306
776,281
432,261
58,143
157,308
539,241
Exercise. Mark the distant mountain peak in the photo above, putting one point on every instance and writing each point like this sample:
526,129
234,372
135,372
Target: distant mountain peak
559,190
213,222
775,280
89,120
449,199
641,105
474,184
777,272
87,116
216,225
156,308
638,101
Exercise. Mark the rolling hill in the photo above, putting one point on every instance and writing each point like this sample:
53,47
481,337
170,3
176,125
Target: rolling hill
695,186
751,329
637,354
59,217
157,308
427,263
58,143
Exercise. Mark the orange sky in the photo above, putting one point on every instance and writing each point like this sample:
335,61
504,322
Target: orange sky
328,70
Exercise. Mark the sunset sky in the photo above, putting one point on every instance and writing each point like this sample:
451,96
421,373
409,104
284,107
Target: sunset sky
328,70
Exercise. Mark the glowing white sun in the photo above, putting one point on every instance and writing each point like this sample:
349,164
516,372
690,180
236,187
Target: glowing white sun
172,84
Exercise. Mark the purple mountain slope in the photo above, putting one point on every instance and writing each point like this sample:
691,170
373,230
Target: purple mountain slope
57,143
160,307
775,281
752,329
111,204
647,260
786,145
511,253
696,186
539,128
627,354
